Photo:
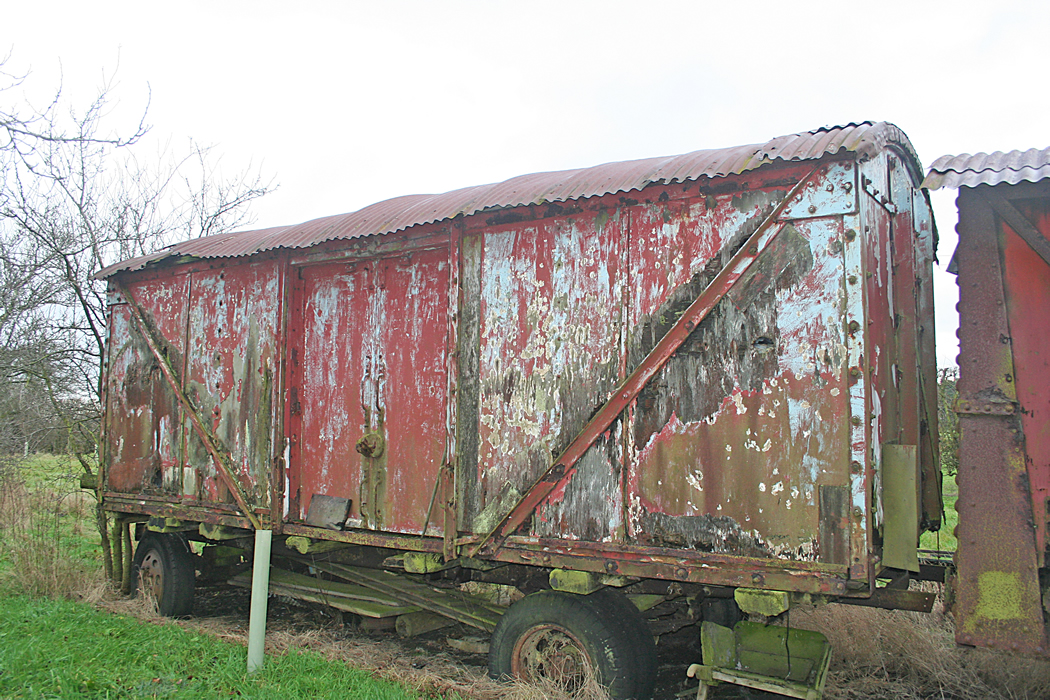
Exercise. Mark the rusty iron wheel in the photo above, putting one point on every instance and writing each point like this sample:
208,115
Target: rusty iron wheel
567,640
553,653
164,566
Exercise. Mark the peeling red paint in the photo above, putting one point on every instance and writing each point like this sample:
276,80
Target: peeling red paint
450,366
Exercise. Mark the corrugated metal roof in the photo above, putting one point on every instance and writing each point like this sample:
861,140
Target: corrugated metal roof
865,139
965,170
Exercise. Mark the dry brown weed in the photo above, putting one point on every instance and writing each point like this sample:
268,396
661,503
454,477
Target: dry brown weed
897,654
31,529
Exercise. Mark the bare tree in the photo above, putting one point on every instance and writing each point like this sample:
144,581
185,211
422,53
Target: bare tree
77,195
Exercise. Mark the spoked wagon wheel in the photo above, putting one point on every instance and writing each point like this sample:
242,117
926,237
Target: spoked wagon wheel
164,566
566,639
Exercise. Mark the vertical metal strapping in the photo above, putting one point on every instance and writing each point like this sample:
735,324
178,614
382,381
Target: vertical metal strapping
623,218
449,471
278,440
855,318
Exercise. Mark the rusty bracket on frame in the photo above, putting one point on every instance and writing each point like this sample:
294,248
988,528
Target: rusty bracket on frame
211,443
563,468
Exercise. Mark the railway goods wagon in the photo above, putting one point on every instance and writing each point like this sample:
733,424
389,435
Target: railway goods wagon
689,382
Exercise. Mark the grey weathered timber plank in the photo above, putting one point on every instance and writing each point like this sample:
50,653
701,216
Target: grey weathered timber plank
453,605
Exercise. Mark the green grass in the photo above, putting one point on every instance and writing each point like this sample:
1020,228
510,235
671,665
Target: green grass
64,649
52,647
945,539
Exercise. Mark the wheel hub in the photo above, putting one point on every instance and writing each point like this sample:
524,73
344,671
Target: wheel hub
151,574
553,653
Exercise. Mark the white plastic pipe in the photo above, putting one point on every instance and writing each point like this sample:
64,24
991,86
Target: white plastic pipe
260,592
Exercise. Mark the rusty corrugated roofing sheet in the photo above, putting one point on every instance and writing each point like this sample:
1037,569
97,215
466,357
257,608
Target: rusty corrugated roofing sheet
965,170
865,139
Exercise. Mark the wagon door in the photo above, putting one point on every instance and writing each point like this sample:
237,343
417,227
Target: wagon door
367,414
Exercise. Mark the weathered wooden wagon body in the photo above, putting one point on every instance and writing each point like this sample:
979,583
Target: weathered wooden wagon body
715,369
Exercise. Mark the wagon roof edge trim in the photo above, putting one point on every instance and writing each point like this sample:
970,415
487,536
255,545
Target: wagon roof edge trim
865,139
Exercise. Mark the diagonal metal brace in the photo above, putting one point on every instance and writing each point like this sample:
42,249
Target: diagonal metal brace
211,443
564,466
1018,222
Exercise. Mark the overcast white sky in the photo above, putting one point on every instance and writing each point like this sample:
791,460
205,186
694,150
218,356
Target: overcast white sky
348,103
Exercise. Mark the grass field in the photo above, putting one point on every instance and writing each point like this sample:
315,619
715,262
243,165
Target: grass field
65,649
54,647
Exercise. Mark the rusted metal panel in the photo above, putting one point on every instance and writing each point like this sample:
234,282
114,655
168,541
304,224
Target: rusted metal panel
549,353
143,417
967,170
878,338
216,330
368,387
733,441
216,450
230,372
865,140
324,427
1027,279
1003,458
444,369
